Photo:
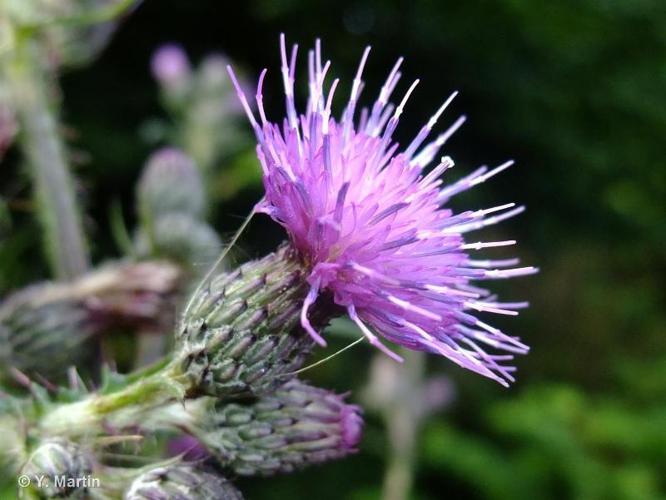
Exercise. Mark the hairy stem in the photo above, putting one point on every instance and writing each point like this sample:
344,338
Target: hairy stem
44,150
121,408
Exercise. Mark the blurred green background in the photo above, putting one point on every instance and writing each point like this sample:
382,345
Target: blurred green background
575,92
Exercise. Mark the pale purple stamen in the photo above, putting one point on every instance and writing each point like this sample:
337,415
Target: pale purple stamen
425,156
427,128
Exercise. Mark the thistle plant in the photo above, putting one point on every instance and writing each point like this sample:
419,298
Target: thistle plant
369,237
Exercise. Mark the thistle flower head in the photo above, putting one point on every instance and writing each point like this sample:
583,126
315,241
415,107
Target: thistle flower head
296,426
370,224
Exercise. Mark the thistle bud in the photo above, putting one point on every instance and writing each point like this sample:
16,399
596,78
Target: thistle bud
241,333
170,183
181,481
181,238
57,468
52,321
296,426
171,67
56,331
211,113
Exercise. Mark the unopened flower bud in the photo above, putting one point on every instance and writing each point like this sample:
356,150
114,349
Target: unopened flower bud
170,182
56,331
212,133
296,426
170,66
43,328
212,73
55,466
181,481
213,83
182,238
241,334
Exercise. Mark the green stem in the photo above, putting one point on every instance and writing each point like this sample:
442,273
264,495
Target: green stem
403,422
44,150
148,370
121,408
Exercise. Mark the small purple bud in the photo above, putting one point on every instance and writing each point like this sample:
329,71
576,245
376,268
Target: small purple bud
170,65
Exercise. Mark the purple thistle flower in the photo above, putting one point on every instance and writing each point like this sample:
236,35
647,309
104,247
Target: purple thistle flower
370,225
